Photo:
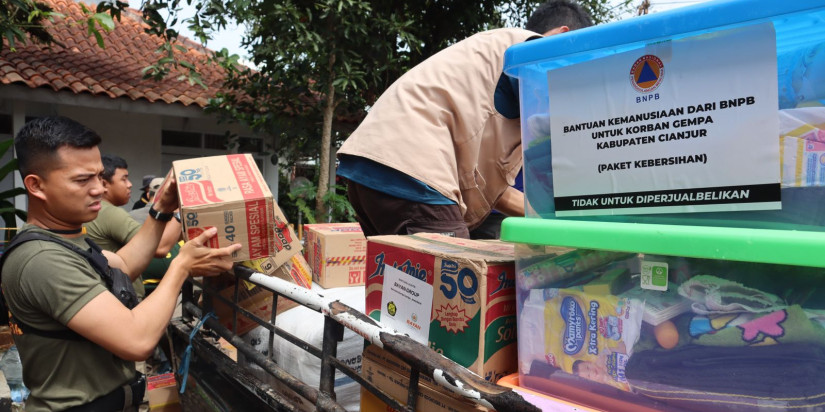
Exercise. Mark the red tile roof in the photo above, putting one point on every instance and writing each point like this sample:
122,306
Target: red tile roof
114,71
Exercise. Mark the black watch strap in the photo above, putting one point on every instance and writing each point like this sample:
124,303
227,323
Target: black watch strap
162,217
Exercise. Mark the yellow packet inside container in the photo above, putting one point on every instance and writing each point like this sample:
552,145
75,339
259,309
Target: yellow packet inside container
591,336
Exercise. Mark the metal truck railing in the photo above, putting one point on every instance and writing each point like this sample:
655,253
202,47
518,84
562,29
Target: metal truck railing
459,381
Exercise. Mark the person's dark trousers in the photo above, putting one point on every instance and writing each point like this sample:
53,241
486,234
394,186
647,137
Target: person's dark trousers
490,228
382,214
124,398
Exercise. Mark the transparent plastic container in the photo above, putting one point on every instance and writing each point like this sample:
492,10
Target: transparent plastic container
800,49
633,317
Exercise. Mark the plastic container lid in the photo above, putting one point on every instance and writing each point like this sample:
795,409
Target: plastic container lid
785,247
707,16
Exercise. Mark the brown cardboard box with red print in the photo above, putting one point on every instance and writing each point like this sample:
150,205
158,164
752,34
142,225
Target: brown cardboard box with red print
230,194
336,252
473,310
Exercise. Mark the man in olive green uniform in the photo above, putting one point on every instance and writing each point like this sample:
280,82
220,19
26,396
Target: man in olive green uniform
52,290
114,227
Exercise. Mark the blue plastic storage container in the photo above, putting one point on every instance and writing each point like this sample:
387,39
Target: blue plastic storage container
799,28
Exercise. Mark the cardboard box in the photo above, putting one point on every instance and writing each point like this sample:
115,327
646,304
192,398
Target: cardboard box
473,310
229,193
228,349
392,376
259,300
6,339
296,270
163,393
337,253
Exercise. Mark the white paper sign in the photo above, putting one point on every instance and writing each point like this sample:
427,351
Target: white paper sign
406,304
688,125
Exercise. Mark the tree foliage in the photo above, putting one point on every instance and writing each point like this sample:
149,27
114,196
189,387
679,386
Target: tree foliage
25,20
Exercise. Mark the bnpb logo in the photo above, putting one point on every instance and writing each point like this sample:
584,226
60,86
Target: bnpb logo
646,73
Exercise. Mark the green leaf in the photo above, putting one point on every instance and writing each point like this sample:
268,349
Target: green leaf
99,39
8,168
5,145
7,209
105,21
11,193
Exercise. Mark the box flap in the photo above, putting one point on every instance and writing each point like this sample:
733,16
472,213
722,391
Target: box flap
440,245
333,228
219,179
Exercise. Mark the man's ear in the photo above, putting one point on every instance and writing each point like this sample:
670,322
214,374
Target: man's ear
34,185
557,30
105,183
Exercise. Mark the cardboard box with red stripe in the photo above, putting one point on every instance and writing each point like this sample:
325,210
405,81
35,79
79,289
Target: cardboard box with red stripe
229,193
337,253
163,393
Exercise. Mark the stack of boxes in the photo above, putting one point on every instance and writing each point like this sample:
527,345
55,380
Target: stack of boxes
469,316
230,194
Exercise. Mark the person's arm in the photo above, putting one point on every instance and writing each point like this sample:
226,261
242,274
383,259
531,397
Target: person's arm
133,334
143,246
171,235
511,203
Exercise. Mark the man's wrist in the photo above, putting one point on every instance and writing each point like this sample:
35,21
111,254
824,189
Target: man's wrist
161,217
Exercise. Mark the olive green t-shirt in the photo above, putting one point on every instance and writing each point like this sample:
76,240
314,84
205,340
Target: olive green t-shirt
111,230
45,285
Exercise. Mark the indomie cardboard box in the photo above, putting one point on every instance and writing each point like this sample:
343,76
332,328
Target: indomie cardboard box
392,376
472,317
258,300
229,193
336,252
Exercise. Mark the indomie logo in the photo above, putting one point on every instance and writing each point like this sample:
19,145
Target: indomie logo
407,267
503,283
646,73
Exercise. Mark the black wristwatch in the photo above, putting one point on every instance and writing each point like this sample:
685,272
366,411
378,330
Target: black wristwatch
161,217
